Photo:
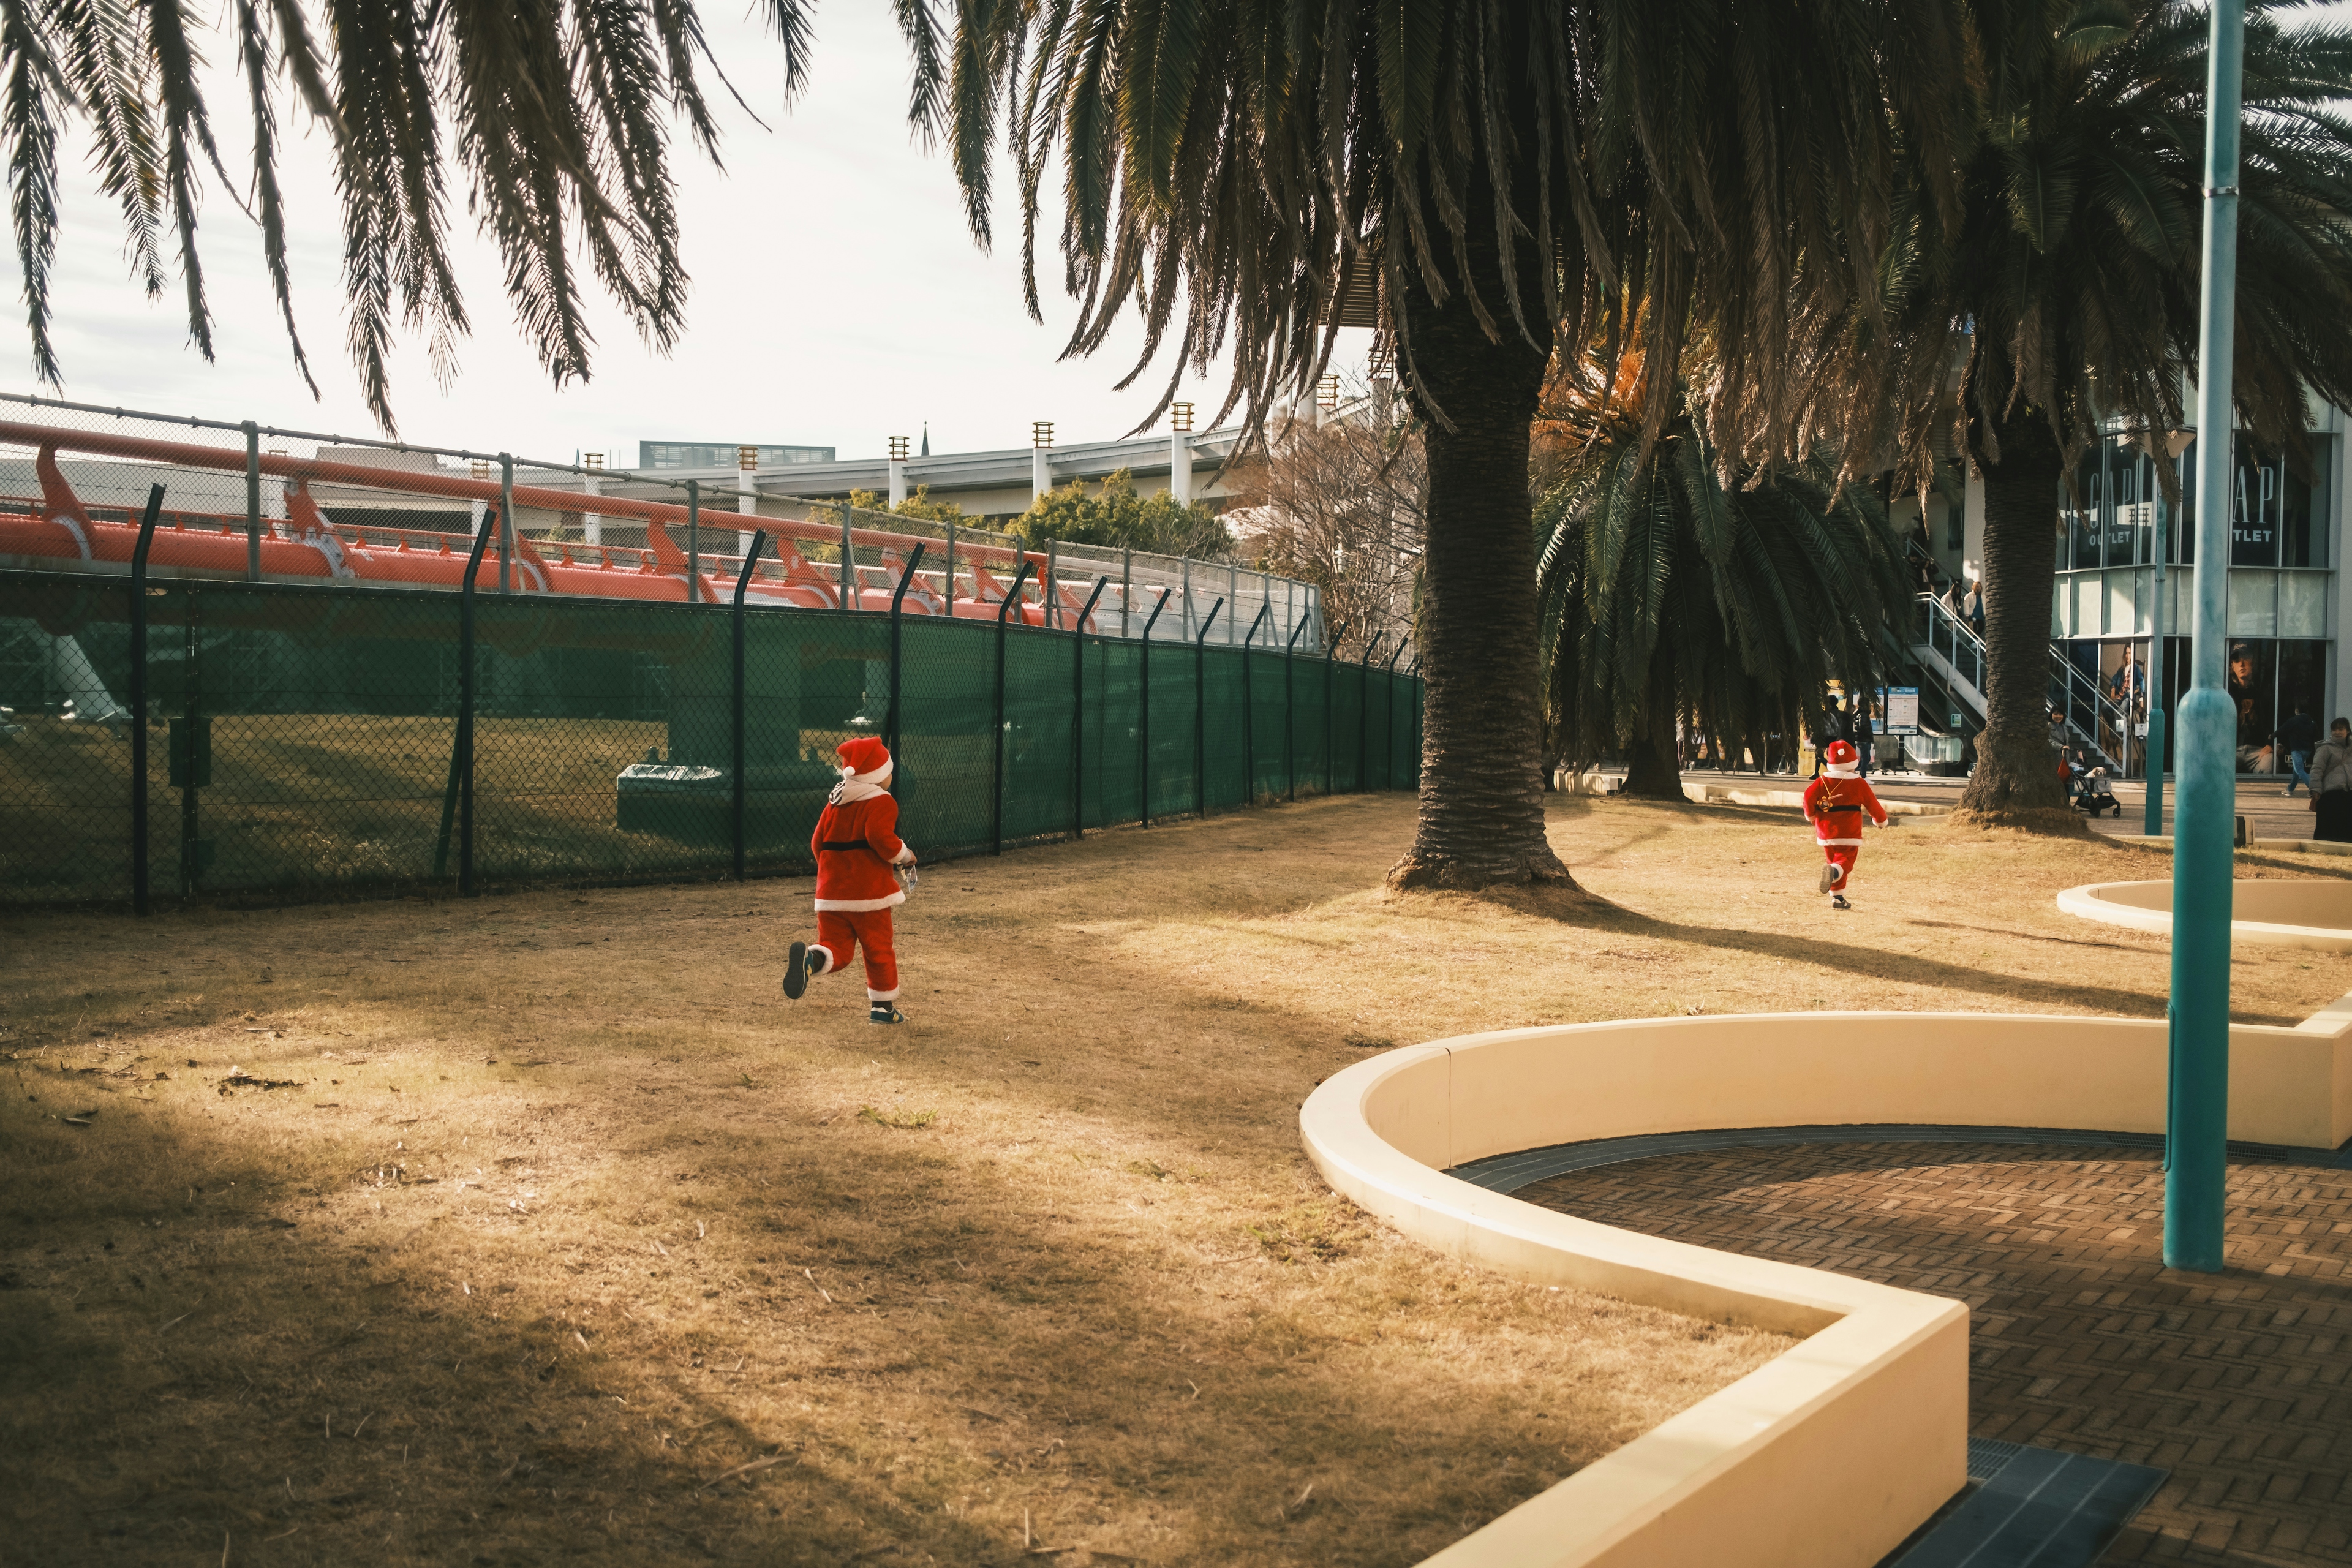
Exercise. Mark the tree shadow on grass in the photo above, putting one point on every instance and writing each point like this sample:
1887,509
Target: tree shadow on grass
1591,912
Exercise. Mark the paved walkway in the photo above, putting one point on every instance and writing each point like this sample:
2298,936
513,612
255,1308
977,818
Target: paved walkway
2239,1383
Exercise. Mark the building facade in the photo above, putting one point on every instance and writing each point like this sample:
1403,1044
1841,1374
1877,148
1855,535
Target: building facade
2288,640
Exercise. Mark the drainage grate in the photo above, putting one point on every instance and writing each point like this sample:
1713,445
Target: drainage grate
1509,1173
2032,1508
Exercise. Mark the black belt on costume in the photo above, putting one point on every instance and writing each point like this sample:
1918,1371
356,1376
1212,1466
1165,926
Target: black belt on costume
847,844
1825,811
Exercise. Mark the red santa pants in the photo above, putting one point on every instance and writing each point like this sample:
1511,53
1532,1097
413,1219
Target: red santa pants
1843,857
841,933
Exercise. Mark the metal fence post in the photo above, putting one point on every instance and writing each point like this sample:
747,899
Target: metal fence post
742,583
506,523
139,699
693,542
1200,709
1417,695
1249,708
1387,718
996,780
1364,712
457,799
1143,762
1331,724
1078,714
1289,715
252,501
951,582
192,753
890,724
849,590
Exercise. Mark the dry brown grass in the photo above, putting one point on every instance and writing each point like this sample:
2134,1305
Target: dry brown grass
572,1240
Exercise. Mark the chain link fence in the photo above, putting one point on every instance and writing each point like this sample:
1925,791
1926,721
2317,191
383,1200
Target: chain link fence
307,740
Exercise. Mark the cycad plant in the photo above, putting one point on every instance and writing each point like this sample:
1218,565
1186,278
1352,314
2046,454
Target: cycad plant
1673,603
2068,289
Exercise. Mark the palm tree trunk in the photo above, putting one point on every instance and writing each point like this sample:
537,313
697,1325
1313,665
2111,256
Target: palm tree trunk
1654,764
1653,771
1481,812
2016,779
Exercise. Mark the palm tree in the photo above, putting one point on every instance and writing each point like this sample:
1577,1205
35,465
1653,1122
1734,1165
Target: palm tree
557,114
1241,173
1245,172
1671,599
2068,287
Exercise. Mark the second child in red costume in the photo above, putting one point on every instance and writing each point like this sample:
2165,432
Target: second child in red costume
1835,803
859,862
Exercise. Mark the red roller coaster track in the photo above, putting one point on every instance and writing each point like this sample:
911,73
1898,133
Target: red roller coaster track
58,526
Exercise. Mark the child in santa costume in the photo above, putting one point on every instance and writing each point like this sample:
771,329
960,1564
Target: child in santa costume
1835,803
859,858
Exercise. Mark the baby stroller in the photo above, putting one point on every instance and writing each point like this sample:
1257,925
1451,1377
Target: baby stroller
2097,796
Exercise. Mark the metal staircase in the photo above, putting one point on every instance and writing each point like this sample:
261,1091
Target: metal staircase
1951,651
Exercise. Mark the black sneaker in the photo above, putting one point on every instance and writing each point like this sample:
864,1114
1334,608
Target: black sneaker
796,971
884,1012
1837,901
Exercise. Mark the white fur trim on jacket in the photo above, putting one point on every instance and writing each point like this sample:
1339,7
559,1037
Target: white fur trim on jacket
862,906
861,786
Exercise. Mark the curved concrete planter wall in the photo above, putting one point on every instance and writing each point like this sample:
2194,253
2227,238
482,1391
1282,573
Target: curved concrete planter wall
1833,1453
2283,911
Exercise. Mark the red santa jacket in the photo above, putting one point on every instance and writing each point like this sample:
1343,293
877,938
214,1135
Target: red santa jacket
1834,804
855,844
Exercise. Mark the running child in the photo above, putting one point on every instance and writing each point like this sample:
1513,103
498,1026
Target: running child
1835,803
859,862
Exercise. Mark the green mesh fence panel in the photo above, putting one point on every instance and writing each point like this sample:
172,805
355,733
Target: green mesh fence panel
1221,733
1109,756
1167,734
303,738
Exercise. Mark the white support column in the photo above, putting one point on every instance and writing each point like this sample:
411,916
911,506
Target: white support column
1180,452
898,472
747,465
592,483
1041,459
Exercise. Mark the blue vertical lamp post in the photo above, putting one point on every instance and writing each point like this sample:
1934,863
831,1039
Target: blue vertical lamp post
2165,449
2195,1150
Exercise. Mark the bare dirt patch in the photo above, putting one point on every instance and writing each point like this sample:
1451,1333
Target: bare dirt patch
565,1237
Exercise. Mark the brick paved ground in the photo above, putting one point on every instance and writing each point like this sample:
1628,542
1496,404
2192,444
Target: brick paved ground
2239,1383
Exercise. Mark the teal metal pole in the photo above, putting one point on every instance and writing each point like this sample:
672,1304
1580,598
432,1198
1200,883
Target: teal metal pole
2195,1149
2152,689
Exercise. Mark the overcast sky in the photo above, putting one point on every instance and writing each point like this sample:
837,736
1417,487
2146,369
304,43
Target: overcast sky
837,299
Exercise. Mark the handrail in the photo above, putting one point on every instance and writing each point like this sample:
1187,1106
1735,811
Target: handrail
2110,730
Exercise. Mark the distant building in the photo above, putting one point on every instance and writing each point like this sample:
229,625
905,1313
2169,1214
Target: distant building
652,455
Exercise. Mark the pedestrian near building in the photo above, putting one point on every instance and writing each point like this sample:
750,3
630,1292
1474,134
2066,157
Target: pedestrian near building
1859,731
2331,784
1836,804
2298,737
1975,607
860,864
